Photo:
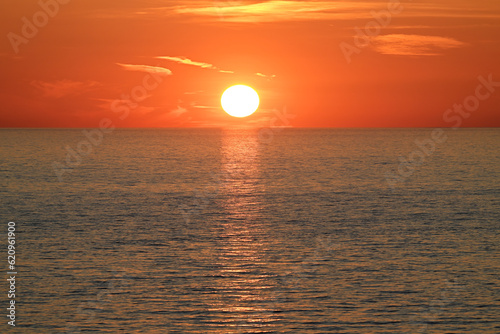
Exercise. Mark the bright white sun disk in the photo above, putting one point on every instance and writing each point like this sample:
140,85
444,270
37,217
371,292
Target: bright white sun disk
240,101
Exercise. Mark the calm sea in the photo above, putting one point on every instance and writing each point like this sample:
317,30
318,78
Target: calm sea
253,231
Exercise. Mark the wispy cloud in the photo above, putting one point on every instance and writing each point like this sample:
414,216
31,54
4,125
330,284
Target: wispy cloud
265,75
414,45
205,107
146,68
277,10
187,61
295,10
177,112
62,88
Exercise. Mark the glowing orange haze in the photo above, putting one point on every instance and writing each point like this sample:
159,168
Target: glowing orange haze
330,63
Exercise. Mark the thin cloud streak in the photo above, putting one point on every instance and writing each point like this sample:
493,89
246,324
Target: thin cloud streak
265,75
61,88
205,107
146,68
187,61
177,112
277,10
414,45
287,10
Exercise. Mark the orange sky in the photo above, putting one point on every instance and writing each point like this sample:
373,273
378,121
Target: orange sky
166,63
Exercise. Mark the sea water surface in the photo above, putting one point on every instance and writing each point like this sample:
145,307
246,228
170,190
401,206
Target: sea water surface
244,231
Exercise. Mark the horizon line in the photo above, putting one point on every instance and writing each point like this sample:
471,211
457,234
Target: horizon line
248,127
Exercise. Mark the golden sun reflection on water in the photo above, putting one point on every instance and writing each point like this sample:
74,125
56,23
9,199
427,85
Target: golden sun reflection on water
244,285
240,174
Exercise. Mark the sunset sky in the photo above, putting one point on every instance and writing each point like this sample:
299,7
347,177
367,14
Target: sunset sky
166,63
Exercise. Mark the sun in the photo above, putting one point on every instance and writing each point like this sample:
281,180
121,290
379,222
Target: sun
240,101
